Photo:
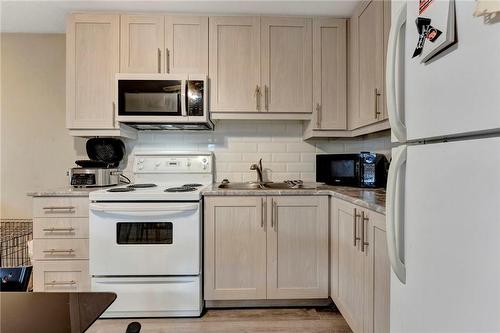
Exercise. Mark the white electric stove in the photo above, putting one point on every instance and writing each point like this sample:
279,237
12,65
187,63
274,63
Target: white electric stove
145,237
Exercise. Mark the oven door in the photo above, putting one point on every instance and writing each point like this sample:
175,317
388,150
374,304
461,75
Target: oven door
146,238
151,98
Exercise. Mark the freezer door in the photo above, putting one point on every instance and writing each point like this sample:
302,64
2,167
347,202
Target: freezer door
451,239
458,92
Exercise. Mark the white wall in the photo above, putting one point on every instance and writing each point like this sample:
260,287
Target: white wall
237,144
36,150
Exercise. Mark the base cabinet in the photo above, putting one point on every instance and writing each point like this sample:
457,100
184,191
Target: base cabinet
360,271
266,247
60,244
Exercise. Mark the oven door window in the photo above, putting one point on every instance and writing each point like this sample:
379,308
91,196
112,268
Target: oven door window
149,97
128,233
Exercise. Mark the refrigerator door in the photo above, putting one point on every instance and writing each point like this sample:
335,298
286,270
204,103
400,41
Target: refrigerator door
451,239
458,92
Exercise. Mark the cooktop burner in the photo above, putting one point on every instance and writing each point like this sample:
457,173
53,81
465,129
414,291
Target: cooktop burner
180,189
192,185
121,189
141,185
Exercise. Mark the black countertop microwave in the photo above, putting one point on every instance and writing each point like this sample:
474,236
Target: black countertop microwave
362,170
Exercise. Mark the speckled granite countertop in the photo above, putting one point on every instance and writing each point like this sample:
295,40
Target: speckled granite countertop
373,199
63,192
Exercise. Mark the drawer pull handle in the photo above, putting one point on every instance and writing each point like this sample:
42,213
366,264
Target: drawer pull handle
68,208
59,283
58,229
55,251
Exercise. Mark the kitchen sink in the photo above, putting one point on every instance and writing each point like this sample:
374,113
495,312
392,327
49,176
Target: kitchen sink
258,186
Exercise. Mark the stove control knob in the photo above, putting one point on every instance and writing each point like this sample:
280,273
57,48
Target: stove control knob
157,164
188,164
204,160
141,167
141,160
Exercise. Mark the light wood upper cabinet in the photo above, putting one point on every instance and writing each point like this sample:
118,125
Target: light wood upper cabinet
235,64
368,27
329,74
142,43
186,40
92,59
287,64
297,247
360,274
235,248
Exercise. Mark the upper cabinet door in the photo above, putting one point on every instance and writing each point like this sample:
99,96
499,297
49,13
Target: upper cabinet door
142,43
234,64
287,64
329,73
297,247
92,60
186,42
368,61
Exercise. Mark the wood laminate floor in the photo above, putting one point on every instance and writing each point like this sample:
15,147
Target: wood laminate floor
295,320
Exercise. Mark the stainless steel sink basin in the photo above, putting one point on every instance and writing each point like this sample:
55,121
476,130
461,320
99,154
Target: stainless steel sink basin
255,186
242,186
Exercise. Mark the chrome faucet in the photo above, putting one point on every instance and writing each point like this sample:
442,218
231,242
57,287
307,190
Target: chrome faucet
258,168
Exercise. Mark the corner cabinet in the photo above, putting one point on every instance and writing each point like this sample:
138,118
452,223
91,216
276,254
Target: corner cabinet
329,78
259,247
92,60
359,270
368,31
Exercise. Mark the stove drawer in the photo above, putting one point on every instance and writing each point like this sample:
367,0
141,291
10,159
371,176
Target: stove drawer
61,207
51,249
60,227
151,296
57,276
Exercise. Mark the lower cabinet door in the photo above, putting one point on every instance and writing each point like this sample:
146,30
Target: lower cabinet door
297,247
235,248
377,275
61,275
350,264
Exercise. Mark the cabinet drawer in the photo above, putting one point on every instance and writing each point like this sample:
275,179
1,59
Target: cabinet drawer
50,249
61,227
61,207
68,276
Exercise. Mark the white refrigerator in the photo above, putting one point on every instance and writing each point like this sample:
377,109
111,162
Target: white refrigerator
443,191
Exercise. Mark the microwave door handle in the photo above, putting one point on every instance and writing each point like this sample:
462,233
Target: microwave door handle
183,98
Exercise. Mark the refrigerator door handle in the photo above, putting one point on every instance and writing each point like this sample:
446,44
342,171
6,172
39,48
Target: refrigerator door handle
397,126
393,201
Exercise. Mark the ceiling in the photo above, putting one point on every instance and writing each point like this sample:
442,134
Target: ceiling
49,16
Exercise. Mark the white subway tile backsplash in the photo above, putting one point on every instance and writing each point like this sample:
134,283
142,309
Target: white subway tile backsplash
300,167
272,147
300,147
286,157
238,144
255,157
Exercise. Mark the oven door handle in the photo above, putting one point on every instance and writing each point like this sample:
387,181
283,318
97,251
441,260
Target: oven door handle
142,209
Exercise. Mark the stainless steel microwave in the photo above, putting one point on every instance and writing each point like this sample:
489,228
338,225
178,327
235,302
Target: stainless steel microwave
162,101
361,170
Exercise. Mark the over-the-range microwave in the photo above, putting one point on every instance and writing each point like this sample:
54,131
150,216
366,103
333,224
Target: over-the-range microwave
162,101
